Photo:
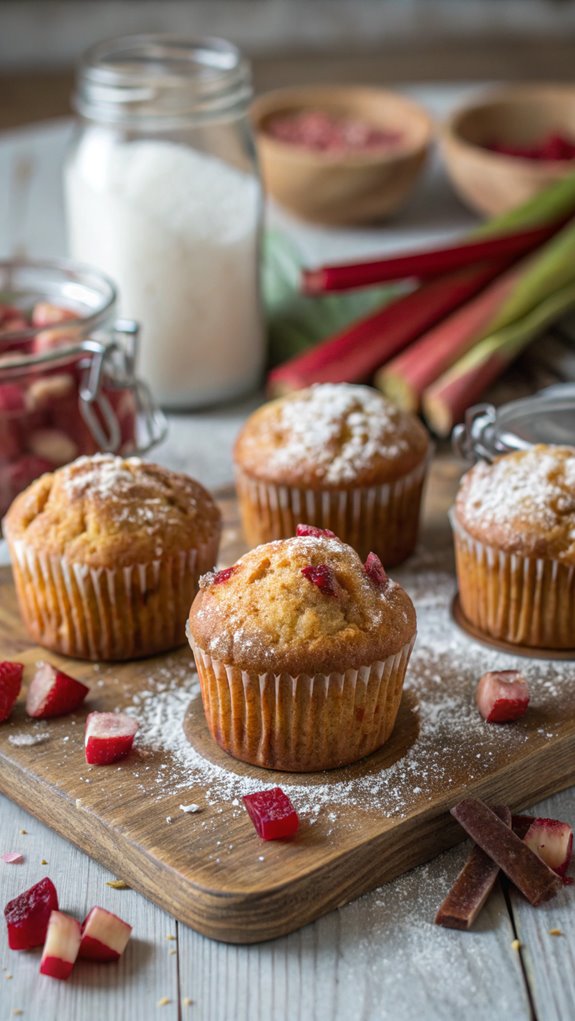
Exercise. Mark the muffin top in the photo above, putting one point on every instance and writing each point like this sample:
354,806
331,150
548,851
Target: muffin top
523,503
332,435
104,511
301,605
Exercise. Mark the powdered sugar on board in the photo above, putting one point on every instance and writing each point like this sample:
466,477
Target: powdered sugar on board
440,685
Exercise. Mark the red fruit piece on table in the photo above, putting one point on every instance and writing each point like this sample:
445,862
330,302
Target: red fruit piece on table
53,693
10,684
323,576
375,570
272,814
104,936
108,737
61,946
502,696
28,914
552,840
314,531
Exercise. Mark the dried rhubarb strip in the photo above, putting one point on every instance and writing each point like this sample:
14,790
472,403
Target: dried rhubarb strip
526,871
472,886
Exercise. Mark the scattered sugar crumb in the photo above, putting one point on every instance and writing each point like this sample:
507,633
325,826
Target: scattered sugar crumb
24,833
169,936
186,1001
163,1002
516,944
27,738
191,808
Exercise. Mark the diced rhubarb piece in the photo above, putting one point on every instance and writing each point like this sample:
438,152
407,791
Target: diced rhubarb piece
502,696
552,840
10,684
472,886
53,693
53,445
375,570
46,314
323,576
104,936
314,531
61,946
42,393
12,398
109,737
525,869
272,814
28,914
224,575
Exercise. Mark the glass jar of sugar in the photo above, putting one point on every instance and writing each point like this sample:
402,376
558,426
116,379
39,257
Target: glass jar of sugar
163,194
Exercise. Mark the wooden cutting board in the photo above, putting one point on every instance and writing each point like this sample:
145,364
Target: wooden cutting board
360,826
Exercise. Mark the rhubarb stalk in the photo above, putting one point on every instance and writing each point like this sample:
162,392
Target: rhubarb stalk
445,402
355,353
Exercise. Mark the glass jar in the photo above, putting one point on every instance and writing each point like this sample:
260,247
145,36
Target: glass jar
67,382
163,193
546,417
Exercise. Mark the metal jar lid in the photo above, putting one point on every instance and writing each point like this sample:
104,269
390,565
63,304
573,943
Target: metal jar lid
546,417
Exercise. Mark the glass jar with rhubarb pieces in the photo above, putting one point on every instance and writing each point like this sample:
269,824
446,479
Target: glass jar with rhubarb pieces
67,373
163,191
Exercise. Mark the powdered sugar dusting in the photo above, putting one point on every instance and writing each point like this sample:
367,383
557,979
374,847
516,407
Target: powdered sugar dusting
341,429
446,726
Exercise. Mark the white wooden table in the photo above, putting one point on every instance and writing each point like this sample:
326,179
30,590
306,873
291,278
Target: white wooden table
379,958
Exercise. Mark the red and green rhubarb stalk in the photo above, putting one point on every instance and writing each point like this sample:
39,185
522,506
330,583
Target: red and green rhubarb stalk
506,301
355,353
445,403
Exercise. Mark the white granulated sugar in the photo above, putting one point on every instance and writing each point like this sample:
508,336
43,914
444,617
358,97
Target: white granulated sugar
341,429
28,739
440,687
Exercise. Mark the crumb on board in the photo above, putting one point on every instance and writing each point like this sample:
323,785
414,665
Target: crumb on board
165,1000
516,944
118,884
555,932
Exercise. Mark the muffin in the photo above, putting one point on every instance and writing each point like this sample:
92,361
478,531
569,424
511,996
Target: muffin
339,456
301,653
106,555
514,529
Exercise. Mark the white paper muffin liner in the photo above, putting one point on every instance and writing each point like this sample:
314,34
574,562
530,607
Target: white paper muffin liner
518,599
301,723
382,518
107,613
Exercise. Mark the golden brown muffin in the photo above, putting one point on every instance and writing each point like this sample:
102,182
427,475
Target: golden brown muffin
340,456
301,652
514,526
107,553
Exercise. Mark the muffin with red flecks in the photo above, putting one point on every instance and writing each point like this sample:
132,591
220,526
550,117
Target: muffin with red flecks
340,456
301,650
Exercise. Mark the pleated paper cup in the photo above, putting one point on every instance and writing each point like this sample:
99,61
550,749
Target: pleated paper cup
382,518
518,599
301,723
107,613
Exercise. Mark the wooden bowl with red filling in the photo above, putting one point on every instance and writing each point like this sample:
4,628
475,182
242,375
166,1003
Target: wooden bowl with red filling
340,154
507,146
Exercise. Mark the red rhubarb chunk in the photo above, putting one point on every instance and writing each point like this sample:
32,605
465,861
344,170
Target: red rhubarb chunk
109,737
10,684
272,814
502,696
53,693
27,915
375,570
104,936
315,532
12,398
61,946
321,575
552,840
224,575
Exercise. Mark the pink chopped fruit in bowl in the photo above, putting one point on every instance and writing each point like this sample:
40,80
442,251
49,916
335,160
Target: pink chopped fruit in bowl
28,914
502,696
272,814
10,684
552,840
109,737
104,936
53,693
61,947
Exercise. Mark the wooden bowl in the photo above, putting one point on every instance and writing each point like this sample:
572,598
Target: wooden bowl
342,188
488,181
